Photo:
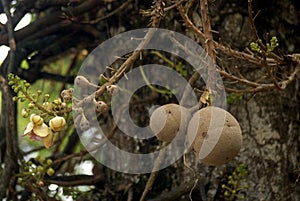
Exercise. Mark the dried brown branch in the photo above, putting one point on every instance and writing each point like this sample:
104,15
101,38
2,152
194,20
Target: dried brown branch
277,58
96,21
265,87
253,27
270,74
9,109
154,173
224,49
54,18
209,42
209,45
74,180
176,192
251,86
156,16
174,5
240,55
263,47
11,138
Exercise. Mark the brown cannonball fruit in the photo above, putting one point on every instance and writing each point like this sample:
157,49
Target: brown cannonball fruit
214,135
167,120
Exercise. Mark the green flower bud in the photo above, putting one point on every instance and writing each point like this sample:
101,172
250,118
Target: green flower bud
41,160
10,76
24,113
16,89
47,96
49,162
19,180
40,169
27,85
47,105
30,105
15,98
57,101
50,172
63,105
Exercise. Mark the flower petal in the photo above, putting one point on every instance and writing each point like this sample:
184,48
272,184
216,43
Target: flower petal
34,136
48,141
41,131
28,128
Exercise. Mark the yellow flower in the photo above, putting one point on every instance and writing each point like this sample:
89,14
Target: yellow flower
57,123
38,130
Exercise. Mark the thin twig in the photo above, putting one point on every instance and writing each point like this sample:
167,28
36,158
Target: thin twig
174,5
273,79
209,42
155,20
240,55
120,72
40,194
265,87
253,27
209,46
254,87
154,173
74,180
96,21
176,193
254,30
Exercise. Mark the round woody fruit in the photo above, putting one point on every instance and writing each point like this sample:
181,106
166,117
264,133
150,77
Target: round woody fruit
214,135
168,120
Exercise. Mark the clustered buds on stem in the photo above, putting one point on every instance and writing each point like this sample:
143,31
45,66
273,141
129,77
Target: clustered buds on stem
81,81
67,94
101,106
111,89
82,105
84,123
24,113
